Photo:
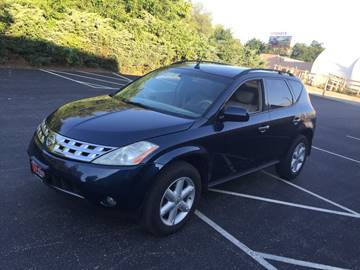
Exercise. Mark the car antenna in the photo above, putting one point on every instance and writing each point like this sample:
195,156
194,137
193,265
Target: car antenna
197,66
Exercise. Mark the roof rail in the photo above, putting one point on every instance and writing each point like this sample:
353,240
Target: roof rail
266,69
198,62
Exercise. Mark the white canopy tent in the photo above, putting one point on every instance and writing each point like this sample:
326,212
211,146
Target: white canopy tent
343,62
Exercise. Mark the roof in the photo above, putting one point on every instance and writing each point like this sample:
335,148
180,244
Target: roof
213,68
224,70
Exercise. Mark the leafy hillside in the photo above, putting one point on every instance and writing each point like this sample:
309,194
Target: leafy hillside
133,36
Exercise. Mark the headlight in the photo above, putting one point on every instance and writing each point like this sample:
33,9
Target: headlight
42,131
131,154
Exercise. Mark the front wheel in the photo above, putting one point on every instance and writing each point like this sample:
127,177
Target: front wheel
172,199
293,162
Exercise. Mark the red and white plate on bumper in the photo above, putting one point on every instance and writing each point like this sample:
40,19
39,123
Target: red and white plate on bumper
36,169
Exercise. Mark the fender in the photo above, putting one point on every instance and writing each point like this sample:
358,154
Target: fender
159,162
196,155
183,151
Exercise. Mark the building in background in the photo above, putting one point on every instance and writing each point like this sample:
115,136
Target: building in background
280,45
338,69
341,63
282,62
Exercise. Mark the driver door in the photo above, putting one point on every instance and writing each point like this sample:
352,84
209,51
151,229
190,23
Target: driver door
243,145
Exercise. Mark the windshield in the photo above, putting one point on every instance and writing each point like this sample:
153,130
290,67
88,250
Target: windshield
175,91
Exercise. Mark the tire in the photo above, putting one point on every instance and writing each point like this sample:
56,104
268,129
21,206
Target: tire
156,199
284,168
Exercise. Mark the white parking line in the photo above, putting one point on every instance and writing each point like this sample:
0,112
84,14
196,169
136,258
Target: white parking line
298,262
116,74
352,137
248,196
100,75
311,193
338,155
86,77
260,257
235,241
80,82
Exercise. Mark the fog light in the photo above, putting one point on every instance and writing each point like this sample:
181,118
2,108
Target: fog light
108,202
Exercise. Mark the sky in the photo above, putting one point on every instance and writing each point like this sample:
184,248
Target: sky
335,23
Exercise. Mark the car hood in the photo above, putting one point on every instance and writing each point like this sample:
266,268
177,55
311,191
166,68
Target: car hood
108,121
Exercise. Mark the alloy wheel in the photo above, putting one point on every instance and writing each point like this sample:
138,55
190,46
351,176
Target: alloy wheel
298,157
177,201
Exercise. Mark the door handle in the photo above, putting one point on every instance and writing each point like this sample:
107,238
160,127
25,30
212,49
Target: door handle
296,120
263,128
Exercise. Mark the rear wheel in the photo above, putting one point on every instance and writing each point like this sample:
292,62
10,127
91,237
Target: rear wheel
293,162
173,199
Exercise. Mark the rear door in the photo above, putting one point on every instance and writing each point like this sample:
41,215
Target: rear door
283,124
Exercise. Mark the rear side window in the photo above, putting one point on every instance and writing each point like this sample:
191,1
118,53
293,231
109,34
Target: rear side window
278,93
297,87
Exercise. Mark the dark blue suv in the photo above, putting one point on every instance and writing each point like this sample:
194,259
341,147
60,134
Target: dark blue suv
162,140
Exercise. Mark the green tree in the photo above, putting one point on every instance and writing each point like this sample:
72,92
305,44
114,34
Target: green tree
307,53
230,50
201,20
136,35
227,49
256,45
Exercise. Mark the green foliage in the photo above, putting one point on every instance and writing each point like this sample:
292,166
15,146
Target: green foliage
256,45
201,20
230,50
307,53
134,36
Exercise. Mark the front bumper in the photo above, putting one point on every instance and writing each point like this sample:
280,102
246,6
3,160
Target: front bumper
126,184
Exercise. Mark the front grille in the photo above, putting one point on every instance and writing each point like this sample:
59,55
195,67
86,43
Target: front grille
69,148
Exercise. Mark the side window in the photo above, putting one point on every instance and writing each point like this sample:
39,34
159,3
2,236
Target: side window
278,93
248,96
297,88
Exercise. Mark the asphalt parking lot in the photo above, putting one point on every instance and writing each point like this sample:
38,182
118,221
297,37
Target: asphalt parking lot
256,222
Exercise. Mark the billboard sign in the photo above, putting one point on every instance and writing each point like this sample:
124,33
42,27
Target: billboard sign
280,40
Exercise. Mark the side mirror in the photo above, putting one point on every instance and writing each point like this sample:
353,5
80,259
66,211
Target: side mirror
232,113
